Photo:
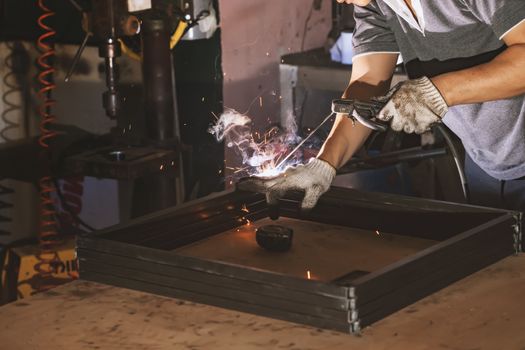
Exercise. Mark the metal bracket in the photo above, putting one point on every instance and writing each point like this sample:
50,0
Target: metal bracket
518,233
353,313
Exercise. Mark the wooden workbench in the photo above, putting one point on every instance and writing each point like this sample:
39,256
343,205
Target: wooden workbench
483,311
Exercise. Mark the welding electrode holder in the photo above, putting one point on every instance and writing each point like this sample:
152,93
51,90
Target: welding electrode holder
362,112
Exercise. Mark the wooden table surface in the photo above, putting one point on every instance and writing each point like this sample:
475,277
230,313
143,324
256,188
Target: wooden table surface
483,311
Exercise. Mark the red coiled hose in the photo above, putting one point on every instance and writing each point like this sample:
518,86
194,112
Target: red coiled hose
48,235
45,77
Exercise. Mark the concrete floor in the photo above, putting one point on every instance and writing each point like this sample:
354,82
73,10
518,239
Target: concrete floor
483,311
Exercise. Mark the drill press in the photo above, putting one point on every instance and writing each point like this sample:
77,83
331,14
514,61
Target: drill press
154,163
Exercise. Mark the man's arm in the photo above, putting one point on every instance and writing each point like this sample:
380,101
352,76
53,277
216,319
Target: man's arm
371,76
503,77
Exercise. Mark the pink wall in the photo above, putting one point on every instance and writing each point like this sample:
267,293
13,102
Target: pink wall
255,34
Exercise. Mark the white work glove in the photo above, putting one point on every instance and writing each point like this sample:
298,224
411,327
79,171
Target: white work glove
313,178
413,106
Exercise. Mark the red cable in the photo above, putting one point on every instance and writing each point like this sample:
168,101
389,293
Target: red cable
45,77
48,236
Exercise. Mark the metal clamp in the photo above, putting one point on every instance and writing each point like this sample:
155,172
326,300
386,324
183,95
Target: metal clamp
353,313
363,112
518,234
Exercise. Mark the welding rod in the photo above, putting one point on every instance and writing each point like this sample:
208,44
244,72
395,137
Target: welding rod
303,141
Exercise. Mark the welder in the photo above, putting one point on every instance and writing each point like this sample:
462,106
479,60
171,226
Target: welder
465,60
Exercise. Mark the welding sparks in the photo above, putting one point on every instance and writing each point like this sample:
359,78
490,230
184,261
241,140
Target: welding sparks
238,170
308,275
244,221
245,209
377,232
260,152
235,129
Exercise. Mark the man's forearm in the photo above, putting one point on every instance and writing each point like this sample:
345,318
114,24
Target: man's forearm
371,76
344,140
503,77
346,137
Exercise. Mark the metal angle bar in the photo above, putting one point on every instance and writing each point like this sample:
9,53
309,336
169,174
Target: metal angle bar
152,229
202,287
218,268
518,233
423,224
222,199
384,281
171,228
191,235
212,280
341,326
386,159
432,282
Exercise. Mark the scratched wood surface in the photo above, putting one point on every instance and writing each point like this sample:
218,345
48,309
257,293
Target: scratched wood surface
483,311
327,251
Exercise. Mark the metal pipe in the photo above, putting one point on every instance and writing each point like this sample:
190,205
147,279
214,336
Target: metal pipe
158,191
157,80
386,159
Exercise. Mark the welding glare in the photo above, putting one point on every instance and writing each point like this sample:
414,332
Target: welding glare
260,152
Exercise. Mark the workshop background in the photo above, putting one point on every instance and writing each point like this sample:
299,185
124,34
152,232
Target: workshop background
66,167
127,128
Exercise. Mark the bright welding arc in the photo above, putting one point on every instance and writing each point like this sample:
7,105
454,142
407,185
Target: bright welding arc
283,161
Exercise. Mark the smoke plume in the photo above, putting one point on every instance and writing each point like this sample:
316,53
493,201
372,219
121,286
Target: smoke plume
260,152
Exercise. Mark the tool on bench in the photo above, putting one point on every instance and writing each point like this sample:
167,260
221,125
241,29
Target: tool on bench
274,238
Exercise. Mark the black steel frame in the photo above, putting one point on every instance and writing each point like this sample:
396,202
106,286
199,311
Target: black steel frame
140,256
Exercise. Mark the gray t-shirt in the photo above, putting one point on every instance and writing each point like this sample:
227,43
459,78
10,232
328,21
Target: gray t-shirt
493,133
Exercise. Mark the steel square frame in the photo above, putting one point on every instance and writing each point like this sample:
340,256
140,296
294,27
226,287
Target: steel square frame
139,255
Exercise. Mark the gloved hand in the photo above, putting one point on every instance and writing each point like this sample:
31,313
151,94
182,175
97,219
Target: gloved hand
413,106
313,178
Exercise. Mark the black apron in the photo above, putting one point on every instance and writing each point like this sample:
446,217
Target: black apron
417,69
